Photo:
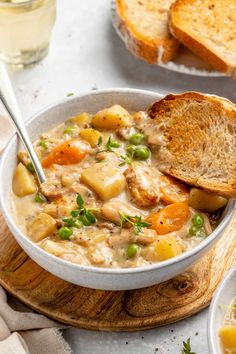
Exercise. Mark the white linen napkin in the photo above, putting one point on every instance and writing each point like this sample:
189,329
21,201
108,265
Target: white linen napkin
28,332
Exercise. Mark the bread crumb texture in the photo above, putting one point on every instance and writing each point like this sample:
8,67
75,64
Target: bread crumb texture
144,25
199,140
208,28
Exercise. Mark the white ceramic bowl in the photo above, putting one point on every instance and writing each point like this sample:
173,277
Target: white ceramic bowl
88,276
223,297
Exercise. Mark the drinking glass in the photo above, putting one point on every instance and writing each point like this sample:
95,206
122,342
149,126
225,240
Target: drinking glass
25,30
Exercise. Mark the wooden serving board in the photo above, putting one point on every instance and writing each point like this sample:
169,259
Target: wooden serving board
131,310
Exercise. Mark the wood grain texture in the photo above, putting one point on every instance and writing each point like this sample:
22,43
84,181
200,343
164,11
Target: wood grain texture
132,310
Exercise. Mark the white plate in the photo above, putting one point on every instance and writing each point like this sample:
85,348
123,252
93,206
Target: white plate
223,297
186,62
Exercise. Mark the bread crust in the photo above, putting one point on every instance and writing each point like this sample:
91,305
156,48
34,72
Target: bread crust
153,53
195,45
170,155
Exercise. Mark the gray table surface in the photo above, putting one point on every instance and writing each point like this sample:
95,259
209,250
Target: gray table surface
87,54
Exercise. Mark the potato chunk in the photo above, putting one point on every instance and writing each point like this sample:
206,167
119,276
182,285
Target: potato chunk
23,182
106,180
205,201
81,119
228,337
23,157
42,226
91,136
112,118
163,248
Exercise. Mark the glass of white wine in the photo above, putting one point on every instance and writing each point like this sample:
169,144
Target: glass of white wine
25,30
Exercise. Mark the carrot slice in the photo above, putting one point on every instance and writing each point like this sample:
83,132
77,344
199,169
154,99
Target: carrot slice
68,153
169,219
173,191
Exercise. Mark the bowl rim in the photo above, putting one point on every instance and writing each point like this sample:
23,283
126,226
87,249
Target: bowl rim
213,345
229,211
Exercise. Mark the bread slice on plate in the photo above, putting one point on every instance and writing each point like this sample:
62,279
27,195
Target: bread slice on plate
143,25
197,140
207,28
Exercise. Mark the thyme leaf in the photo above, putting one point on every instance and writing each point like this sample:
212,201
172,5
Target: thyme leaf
187,347
99,141
136,221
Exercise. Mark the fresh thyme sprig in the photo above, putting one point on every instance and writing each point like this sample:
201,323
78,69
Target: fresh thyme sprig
82,214
109,146
187,347
126,160
113,144
136,221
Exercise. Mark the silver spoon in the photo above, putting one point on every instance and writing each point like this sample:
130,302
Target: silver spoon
8,98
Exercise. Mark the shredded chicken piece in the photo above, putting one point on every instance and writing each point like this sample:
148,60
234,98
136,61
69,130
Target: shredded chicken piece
123,238
85,192
65,206
142,184
146,237
61,207
112,210
126,132
107,225
52,189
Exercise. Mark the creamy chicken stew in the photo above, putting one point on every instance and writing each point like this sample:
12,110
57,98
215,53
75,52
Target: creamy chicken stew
227,332
105,203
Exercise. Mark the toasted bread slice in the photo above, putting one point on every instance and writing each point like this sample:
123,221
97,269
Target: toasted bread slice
207,28
198,140
143,25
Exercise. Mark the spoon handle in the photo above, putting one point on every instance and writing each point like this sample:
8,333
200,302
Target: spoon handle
8,99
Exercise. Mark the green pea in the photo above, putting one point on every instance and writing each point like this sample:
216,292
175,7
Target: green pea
193,230
30,167
131,149
137,139
141,153
65,233
198,220
78,224
132,250
40,198
69,130
44,144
